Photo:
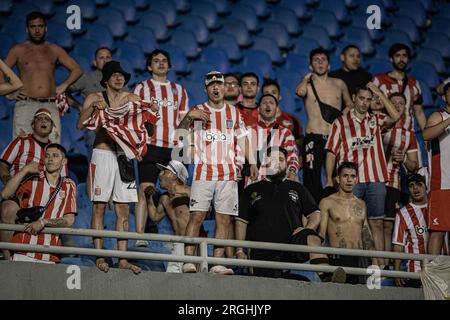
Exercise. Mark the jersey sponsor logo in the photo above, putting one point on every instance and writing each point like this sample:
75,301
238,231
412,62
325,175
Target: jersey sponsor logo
215,136
254,197
163,103
293,195
362,143
420,230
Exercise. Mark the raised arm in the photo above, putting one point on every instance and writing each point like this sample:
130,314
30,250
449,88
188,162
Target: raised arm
394,115
13,184
14,81
91,102
435,126
302,87
156,213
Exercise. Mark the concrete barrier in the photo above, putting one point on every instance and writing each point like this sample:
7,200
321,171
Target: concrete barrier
20,280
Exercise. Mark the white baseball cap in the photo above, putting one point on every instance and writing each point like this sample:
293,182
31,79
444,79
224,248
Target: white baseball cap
214,76
177,168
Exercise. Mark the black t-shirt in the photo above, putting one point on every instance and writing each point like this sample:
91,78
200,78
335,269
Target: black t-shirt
266,207
353,79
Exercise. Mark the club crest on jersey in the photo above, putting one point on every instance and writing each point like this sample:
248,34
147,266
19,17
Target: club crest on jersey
293,195
62,194
229,124
98,191
372,123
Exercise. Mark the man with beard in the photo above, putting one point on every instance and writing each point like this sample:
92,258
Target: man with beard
397,81
36,60
323,99
344,220
282,211
249,106
20,152
351,72
232,88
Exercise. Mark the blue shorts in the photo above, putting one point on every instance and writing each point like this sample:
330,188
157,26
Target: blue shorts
374,195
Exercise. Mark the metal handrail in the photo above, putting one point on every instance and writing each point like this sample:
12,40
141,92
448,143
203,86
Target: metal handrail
204,260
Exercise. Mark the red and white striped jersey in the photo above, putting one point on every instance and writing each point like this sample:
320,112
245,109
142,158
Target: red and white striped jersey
250,115
36,192
360,142
440,158
22,151
125,125
397,139
215,144
173,104
411,232
412,92
279,137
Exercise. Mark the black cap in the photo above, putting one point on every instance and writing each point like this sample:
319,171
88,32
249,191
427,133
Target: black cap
416,177
109,69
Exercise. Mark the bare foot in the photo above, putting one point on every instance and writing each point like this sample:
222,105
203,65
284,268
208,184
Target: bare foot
124,264
102,265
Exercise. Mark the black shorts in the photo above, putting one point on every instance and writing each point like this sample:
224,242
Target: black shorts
301,238
148,172
391,203
353,262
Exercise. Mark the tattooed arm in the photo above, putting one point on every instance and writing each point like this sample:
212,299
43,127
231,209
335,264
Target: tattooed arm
64,222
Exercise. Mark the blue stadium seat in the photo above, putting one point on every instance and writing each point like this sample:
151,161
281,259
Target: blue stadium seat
260,7
407,25
216,57
361,37
444,10
197,25
289,79
440,25
351,4
168,9
426,95
277,32
133,54
7,43
382,52
238,30
5,133
21,9
242,68
142,36
196,92
297,63
207,10
177,58
396,36
87,8
101,35
101,3
6,6
85,48
328,21
425,72
299,7
140,4
182,5
287,103
320,35
360,21
59,34
259,60
44,6
338,8
247,15
434,57
414,10
222,7
85,63
269,46
199,69
185,40
228,43
430,6
390,5
376,66
156,22
288,18
127,8
61,74
304,45
439,42
115,20
18,34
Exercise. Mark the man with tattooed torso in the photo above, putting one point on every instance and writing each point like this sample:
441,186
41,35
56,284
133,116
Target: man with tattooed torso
344,221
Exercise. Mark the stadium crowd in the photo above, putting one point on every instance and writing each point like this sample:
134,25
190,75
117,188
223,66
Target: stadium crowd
247,156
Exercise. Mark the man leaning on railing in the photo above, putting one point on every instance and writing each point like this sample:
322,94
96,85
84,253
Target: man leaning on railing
46,200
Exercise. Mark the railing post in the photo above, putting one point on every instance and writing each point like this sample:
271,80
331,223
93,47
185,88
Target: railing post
204,255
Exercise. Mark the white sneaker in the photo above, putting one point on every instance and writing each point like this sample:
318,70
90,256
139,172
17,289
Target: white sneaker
174,267
141,243
221,270
189,268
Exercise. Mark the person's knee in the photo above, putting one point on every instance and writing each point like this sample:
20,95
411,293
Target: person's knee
196,218
122,210
223,219
376,224
98,208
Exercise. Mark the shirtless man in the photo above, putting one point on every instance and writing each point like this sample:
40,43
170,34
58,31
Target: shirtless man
14,81
174,203
344,220
36,60
104,178
323,99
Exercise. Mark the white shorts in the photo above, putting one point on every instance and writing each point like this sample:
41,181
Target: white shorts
225,194
105,179
23,258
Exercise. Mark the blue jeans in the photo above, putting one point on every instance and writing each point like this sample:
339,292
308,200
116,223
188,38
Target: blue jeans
374,195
